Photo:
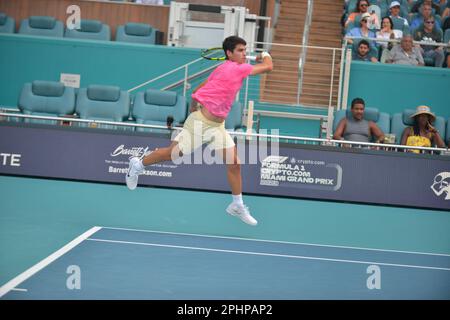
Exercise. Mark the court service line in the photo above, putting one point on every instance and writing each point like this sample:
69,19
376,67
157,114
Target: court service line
45,262
277,241
267,254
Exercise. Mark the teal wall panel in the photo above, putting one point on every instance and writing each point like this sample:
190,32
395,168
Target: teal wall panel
393,88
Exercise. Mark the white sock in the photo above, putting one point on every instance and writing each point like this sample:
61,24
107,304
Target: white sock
140,165
238,199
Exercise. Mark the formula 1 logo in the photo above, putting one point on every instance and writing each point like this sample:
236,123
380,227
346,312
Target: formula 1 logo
274,159
441,184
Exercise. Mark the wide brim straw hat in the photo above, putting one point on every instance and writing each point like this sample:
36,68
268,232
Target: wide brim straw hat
423,110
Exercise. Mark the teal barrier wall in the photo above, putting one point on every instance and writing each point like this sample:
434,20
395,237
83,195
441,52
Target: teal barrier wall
393,88
27,58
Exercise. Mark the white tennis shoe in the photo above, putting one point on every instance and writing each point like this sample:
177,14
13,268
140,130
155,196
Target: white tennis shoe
134,170
241,211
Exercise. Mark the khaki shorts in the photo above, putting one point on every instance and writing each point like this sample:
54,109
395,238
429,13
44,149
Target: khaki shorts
198,130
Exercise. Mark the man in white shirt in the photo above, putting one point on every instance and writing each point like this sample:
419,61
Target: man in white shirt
395,12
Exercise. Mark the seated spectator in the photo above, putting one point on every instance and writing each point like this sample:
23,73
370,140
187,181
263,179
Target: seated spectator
422,133
357,128
405,53
363,52
394,8
363,31
387,32
434,6
446,12
447,61
361,7
429,33
426,15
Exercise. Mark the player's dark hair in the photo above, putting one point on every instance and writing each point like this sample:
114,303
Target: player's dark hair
230,43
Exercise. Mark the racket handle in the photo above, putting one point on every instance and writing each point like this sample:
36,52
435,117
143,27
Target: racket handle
252,58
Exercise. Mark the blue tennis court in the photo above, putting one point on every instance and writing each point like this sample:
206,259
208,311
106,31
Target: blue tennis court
114,263
171,244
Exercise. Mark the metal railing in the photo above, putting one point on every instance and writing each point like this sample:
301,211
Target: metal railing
305,39
246,135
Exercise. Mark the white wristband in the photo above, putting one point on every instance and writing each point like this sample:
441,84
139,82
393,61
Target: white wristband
265,54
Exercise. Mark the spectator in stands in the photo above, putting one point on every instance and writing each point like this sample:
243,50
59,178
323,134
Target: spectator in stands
361,7
394,8
363,52
422,133
447,62
446,17
387,32
434,6
405,53
429,33
357,128
363,31
158,2
426,15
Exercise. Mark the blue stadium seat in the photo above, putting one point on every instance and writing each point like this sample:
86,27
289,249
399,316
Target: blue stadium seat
46,98
136,33
402,120
234,119
42,26
7,24
90,29
447,36
381,119
153,107
106,103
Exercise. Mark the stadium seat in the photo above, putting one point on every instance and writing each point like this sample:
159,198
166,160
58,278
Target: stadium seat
153,107
234,119
106,103
137,33
382,119
90,29
7,24
42,26
402,120
447,36
46,98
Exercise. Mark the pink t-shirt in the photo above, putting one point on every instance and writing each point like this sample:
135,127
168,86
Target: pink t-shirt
219,92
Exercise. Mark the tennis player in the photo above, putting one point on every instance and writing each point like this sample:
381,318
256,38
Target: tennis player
214,97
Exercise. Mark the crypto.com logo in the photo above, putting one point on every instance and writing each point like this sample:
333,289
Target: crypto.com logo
441,184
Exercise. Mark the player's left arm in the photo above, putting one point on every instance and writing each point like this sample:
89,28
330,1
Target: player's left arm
265,66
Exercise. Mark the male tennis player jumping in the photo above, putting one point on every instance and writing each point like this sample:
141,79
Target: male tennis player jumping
215,97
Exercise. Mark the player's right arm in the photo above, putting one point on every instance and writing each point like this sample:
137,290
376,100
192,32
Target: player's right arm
265,66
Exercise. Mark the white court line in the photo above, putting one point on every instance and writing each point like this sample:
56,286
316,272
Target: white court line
45,262
19,289
282,242
268,254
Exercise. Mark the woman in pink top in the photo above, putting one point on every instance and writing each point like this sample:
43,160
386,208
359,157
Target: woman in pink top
207,125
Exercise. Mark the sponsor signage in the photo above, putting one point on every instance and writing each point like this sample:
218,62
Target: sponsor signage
325,173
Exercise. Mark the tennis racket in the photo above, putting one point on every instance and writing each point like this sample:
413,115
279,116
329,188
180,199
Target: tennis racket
217,54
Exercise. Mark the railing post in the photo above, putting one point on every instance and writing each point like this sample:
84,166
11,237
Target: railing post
330,107
185,80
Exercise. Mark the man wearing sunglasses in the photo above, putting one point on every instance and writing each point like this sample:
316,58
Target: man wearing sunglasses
426,14
429,33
